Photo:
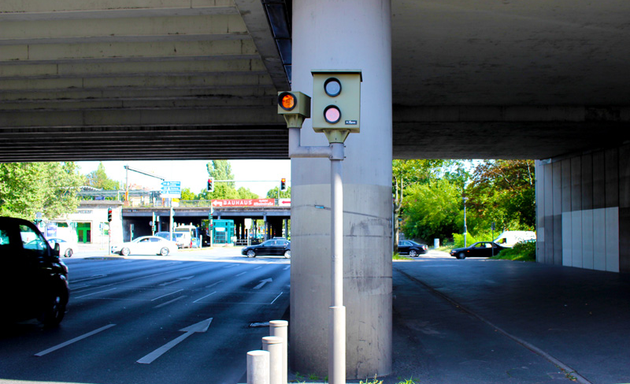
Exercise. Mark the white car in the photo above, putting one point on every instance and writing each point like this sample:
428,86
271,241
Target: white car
66,248
146,245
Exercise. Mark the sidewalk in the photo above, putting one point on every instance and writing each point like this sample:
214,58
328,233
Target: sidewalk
494,321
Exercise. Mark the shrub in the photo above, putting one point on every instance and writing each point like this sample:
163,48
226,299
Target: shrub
458,240
523,251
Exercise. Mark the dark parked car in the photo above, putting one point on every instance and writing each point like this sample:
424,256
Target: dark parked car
273,247
35,282
411,248
479,249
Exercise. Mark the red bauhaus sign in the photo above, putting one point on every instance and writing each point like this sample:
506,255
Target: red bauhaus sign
244,203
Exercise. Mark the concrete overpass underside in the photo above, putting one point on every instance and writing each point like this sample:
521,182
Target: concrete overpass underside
197,79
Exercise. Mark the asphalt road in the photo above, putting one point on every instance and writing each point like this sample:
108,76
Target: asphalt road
152,320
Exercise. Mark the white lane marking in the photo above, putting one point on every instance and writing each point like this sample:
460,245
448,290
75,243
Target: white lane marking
95,293
201,298
168,294
277,297
213,284
200,327
240,274
88,278
176,281
263,282
170,301
69,342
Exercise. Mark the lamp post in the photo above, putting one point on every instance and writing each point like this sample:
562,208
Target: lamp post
464,198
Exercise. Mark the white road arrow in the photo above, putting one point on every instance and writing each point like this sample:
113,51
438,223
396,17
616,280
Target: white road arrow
263,282
200,327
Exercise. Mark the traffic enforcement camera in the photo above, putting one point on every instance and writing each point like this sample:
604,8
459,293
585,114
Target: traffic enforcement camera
337,102
295,107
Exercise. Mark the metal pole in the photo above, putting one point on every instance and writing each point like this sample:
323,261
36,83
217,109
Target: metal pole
337,325
465,228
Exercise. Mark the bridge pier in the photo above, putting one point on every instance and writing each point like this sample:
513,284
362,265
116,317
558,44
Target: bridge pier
350,35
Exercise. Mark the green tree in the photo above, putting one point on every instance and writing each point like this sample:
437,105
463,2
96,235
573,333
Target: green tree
29,188
503,191
409,173
433,210
98,179
221,170
273,193
246,193
187,194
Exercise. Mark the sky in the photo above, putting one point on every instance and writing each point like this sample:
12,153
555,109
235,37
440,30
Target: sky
258,175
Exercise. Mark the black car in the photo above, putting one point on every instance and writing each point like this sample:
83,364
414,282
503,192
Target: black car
35,282
478,249
411,248
273,247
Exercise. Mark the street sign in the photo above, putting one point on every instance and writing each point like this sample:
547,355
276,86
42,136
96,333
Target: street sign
171,189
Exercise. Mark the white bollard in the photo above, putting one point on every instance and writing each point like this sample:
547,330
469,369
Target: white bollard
280,328
273,344
258,367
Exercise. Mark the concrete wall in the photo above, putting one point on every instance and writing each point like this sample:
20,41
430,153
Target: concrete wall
583,204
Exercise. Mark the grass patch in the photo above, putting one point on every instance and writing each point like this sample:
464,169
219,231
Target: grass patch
398,256
525,251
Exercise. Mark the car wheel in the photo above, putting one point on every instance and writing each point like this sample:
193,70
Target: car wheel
461,255
125,252
54,309
164,251
413,253
251,253
69,252
287,254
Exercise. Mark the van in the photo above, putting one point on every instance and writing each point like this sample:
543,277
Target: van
182,239
35,280
509,238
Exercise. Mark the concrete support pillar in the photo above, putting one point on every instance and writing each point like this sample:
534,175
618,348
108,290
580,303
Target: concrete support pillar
352,34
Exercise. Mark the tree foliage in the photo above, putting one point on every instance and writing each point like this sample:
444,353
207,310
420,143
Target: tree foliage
98,179
503,191
273,193
432,210
221,170
29,188
430,200
414,177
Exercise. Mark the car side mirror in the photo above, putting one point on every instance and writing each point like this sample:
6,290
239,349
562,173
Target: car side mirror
56,250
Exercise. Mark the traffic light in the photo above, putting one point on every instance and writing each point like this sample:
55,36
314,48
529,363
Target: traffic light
283,184
337,102
290,103
109,215
211,184
295,107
